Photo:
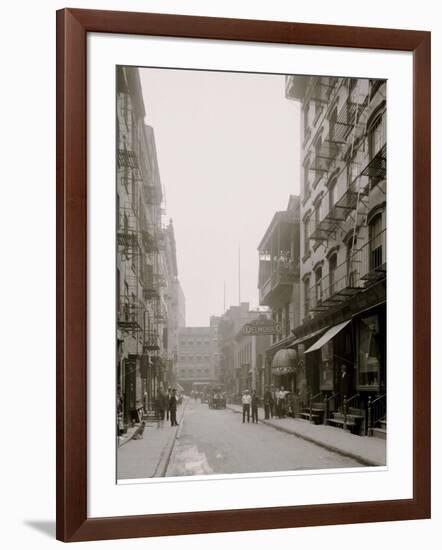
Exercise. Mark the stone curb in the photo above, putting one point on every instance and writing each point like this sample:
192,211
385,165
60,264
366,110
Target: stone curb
163,463
359,458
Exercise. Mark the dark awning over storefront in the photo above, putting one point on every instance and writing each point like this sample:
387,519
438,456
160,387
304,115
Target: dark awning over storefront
331,333
284,361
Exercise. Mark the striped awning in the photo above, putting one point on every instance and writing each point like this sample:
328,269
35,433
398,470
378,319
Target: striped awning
331,333
284,361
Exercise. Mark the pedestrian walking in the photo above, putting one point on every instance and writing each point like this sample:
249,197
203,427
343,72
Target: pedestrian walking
172,408
246,401
254,403
268,403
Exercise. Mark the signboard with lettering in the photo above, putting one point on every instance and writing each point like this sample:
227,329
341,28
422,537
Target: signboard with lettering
261,327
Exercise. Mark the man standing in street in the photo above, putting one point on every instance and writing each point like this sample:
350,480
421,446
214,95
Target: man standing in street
172,408
268,403
345,383
254,407
246,401
280,398
167,402
159,404
273,410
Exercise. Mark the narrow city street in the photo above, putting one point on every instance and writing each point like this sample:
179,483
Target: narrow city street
217,442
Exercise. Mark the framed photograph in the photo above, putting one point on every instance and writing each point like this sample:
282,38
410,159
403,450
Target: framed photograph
227,356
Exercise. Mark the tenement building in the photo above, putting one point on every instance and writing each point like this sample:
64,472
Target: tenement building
175,305
341,338
279,289
141,270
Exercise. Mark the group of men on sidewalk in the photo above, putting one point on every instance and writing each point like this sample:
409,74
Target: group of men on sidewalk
166,405
275,404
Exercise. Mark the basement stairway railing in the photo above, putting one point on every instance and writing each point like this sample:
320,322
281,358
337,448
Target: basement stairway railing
347,404
312,399
376,410
327,400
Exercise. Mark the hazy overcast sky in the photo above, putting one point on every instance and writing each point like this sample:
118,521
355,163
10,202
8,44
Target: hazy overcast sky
228,152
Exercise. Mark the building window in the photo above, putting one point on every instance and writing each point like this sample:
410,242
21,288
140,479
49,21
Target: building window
352,268
318,163
133,191
375,84
318,107
332,192
376,242
326,367
317,213
332,123
369,352
306,183
377,137
306,236
332,265
306,296
307,130
318,285
287,320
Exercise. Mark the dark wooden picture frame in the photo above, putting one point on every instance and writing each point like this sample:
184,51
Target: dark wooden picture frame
73,523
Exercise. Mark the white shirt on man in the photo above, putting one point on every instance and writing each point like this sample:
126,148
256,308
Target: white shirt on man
281,395
246,399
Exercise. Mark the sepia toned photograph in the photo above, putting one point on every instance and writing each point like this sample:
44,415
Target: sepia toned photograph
251,273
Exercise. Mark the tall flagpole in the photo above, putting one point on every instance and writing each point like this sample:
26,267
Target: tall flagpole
239,275
224,310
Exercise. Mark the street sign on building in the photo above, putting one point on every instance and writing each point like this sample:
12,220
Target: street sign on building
261,327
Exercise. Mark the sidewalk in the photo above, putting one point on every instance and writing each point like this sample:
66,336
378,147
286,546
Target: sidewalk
369,451
148,457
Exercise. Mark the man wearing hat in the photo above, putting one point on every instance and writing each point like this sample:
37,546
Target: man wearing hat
246,401
172,408
268,403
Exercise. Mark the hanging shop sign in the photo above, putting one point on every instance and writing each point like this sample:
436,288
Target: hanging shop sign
261,327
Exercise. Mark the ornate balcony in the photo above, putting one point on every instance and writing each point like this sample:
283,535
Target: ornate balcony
279,285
